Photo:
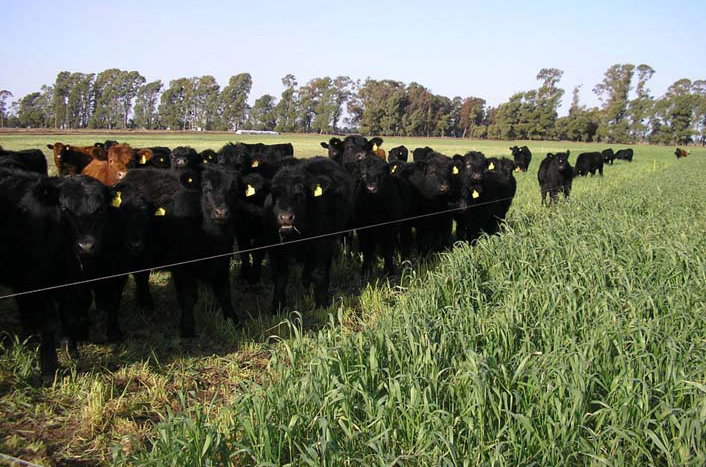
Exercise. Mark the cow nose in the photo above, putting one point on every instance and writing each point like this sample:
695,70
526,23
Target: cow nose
87,245
220,213
444,188
180,162
120,175
286,218
372,188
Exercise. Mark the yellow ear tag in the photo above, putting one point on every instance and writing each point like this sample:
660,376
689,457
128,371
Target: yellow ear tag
454,170
250,191
190,180
117,201
143,160
255,163
392,170
318,191
491,166
205,161
160,212
517,169
475,194
375,147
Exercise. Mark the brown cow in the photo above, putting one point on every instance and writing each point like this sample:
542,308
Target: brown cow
121,157
71,160
680,153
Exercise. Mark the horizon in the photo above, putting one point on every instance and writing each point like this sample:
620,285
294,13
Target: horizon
204,38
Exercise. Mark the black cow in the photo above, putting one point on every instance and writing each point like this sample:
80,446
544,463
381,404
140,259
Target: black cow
208,156
95,239
184,158
234,156
33,254
194,217
379,199
624,154
555,175
486,193
608,156
355,149
680,153
160,158
400,153
522,157
335,149
307,199
433,180
421,154
32,160
589,162
250,231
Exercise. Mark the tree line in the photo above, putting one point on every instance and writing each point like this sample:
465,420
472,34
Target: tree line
117,99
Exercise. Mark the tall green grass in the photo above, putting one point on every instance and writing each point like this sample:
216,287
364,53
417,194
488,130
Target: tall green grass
578,338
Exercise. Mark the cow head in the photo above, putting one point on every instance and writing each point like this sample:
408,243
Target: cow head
184,157
335,149
84,203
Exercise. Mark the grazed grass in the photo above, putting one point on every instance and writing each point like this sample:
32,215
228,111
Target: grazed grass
575,337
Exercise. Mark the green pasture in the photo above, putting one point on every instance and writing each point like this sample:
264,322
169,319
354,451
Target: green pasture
575,337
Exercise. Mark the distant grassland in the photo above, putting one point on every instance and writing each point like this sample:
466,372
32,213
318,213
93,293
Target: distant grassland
575,337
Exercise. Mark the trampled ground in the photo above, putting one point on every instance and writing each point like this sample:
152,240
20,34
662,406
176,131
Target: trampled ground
576,337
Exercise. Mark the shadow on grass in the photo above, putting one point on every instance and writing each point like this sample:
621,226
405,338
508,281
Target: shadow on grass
152,337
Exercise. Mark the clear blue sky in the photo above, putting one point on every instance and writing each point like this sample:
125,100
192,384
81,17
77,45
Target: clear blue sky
489,49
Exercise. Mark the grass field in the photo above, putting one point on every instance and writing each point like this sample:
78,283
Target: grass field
576,337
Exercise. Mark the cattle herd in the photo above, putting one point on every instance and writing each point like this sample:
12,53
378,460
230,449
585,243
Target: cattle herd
114,209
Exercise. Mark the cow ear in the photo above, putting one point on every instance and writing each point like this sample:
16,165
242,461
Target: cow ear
458,158
324,145
372,142
320,185
549,154
190,180
47,193
50,146
568,152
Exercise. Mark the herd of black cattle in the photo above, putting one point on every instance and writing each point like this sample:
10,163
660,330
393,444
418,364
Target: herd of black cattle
61,230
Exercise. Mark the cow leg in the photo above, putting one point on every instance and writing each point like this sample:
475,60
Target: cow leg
187,293
38,314
600,170
544,197
74,304
142,291
387,248
256,269
366,242
244,244
320,277
220,285
108,295
405,240
280,276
